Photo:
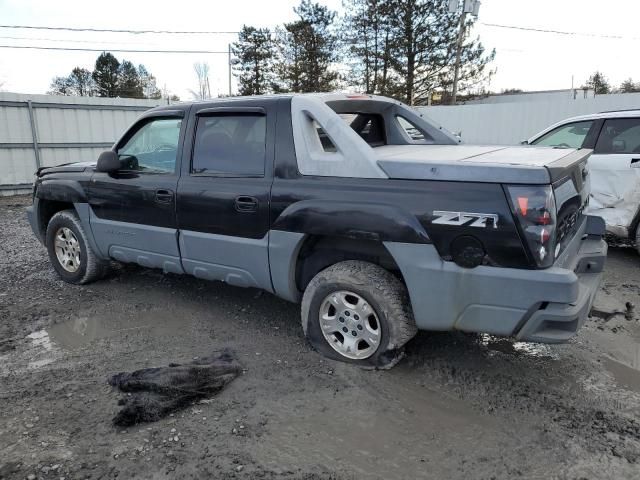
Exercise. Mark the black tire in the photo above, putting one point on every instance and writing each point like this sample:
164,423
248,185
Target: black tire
90,267
386,295
638,238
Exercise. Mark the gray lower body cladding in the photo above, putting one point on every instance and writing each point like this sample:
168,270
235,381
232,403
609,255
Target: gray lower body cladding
532,305
546,305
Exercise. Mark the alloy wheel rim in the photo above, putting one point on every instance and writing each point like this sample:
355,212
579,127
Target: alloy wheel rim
350,325
67,249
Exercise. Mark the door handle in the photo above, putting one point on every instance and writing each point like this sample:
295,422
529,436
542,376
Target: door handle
164,196
245,203
635,163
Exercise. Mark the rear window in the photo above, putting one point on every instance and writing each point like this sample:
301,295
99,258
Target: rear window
370,127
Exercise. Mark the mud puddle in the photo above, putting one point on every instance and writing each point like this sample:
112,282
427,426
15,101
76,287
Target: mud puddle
85,329
387,427
625,376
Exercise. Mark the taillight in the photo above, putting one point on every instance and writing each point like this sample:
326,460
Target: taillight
535,208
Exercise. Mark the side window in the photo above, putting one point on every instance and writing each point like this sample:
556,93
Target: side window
619,135
153,148
230,145
327,145
571,135
412,130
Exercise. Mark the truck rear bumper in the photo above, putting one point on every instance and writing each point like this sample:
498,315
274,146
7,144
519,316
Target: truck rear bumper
547,305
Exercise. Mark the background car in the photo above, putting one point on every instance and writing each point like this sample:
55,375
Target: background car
614,166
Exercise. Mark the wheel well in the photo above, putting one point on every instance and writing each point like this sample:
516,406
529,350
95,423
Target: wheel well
319,252
47,209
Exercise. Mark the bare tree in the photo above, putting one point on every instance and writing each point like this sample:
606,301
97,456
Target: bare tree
204,89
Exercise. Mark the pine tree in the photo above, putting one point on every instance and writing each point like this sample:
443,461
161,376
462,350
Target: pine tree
308,50
254,61
598,83
149,84
79,82
129,85
406,48
109,79
106,75
366,40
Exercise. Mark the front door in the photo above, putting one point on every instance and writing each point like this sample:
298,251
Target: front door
133,215
615,173
223,195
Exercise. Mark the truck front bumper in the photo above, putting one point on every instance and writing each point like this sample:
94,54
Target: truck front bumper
547,305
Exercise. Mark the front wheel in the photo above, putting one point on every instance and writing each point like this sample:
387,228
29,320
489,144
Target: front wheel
358,312
69,250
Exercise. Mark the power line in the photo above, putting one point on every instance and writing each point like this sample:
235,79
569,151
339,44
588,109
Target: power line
120,50
68,40
112,30
558,32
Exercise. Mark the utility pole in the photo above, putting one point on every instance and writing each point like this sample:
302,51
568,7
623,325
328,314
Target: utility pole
229,69
472,7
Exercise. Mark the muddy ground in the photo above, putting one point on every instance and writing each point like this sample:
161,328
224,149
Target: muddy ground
459,406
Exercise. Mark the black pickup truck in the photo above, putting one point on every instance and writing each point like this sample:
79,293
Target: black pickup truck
378,221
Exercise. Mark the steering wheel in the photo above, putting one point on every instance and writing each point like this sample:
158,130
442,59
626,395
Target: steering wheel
563,145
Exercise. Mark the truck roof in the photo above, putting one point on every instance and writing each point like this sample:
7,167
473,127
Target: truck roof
323,97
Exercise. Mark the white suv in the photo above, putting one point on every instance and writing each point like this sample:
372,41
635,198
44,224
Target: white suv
614,166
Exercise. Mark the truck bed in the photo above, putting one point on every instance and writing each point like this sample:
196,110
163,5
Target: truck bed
478,163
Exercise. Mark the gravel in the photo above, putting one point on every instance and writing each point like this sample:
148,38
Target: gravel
458,406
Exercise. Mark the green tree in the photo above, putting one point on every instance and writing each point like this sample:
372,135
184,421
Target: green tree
60,86
366,39
129,85
598,83
424,49
254,66
149,83
79,83
629,86
106,75
308,50
110,78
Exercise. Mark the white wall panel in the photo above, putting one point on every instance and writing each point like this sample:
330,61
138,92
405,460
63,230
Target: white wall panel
59,120
510,123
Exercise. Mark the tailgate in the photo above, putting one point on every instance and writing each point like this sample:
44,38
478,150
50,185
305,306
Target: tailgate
570,179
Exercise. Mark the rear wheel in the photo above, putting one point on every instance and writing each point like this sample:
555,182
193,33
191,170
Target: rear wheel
638,238
358,312
69,250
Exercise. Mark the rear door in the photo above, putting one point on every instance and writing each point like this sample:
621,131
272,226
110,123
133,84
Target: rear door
615,173
224,194
133,209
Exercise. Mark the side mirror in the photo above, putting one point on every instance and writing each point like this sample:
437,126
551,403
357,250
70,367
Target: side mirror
108,162
524,142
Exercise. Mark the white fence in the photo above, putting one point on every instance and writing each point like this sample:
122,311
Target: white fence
510,123
44,130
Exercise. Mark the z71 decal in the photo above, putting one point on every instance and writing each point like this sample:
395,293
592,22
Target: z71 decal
465,219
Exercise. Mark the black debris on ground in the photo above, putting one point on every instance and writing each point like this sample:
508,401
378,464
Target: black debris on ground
156,392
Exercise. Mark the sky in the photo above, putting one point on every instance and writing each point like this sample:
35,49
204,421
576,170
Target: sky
524,59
